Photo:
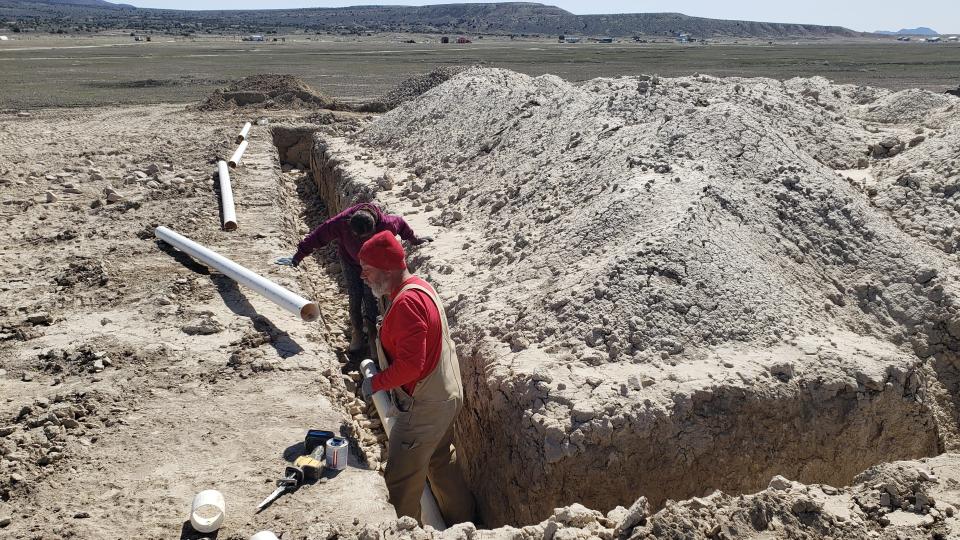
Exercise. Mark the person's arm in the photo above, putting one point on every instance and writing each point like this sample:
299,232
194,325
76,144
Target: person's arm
321,236
409,324
398,225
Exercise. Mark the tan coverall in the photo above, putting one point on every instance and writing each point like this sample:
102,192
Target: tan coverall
420,447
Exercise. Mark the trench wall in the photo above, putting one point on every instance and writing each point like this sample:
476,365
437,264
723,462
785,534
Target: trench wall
731,438
734,439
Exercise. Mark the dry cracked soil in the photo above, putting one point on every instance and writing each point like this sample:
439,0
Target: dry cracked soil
684,308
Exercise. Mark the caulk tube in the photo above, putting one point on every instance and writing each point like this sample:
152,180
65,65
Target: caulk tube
290,301
429,511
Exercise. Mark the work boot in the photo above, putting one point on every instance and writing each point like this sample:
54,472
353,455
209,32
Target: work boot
356,340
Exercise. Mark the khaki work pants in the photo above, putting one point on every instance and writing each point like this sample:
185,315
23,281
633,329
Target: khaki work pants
420,449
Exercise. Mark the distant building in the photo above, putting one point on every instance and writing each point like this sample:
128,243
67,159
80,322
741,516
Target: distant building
571,39
953,38
462,40
4,38
605,40
255,37
444,39
935,39
683,38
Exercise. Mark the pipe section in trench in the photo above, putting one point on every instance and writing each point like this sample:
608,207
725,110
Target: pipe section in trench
429,510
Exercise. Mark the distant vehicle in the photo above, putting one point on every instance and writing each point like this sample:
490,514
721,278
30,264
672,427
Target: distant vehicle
462,40
904,38
571,39
255,37
4,38
683,38
933,39
444,39
605,40
953,38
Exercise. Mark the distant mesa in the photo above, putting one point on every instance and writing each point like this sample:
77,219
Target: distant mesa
504,19
88,3
919,31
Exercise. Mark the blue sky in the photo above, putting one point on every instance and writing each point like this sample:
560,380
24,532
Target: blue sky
863,15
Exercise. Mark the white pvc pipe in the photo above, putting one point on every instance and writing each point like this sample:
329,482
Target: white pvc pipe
235,160
292,302
226,197
429,511
243,133
208,511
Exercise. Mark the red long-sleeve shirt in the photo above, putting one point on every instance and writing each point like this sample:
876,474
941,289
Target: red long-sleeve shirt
411,335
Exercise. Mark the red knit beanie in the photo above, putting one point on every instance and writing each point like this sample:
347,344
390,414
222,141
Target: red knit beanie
383,251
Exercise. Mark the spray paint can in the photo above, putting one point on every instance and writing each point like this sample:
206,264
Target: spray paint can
337,451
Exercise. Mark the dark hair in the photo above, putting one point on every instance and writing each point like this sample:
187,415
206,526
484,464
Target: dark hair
362,222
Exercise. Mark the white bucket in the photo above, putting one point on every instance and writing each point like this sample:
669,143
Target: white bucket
208,511
264,535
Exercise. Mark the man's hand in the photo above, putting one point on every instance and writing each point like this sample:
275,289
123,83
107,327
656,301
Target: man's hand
367,388
422,240
286,261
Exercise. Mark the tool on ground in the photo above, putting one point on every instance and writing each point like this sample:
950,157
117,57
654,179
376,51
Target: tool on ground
311,466
292,479
306,468
315,438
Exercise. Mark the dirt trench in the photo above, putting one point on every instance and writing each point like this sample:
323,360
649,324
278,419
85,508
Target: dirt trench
687,440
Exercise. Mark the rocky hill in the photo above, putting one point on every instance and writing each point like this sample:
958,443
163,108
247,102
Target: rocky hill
498,18
919,31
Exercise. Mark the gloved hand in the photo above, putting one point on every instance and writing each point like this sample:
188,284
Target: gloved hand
286,261
367,388
422,240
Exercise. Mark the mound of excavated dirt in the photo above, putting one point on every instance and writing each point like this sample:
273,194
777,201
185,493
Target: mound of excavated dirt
682,283
411,88
651,216
268,91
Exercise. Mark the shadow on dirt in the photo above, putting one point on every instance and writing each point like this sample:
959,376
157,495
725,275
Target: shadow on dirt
234,298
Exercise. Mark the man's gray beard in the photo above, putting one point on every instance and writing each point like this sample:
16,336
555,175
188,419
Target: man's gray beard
378,289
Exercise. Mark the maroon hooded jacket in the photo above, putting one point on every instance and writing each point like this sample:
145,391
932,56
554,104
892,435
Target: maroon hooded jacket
338,228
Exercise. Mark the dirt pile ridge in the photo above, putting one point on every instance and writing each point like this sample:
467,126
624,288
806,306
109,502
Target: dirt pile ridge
645,273
268,91
411,88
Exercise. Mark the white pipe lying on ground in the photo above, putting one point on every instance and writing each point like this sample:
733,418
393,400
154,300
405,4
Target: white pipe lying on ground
429,511
208,511
226,197
243,133
235,160
292,302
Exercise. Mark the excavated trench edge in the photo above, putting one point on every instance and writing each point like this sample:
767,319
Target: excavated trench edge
814,430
